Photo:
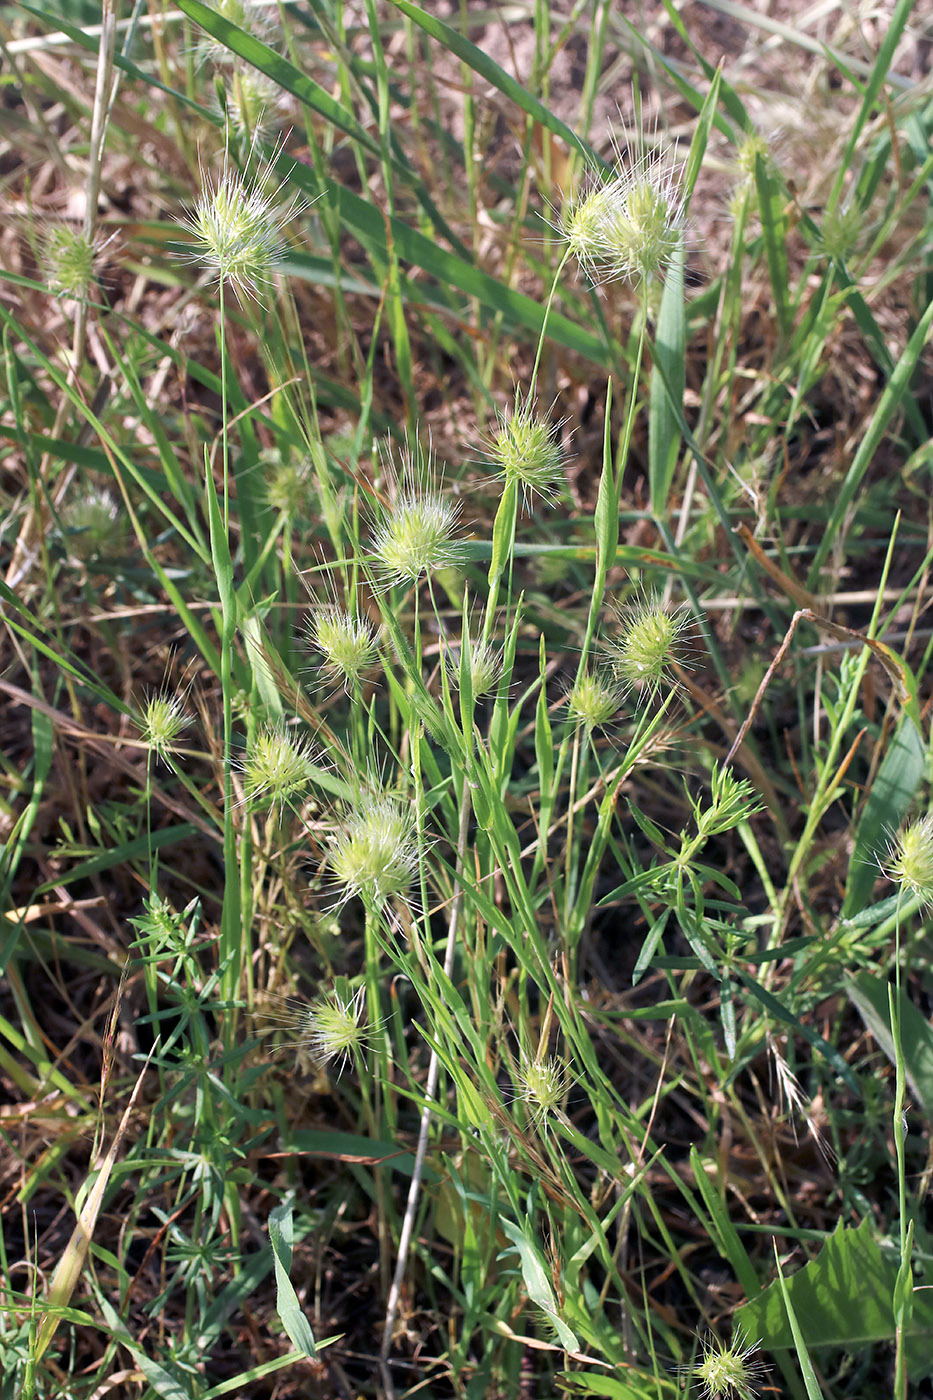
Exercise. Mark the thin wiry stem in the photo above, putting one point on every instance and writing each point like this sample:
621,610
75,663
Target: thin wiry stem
411,1205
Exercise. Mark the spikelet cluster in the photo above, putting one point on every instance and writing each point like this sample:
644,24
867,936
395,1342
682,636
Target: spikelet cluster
374,854
631,225
416,534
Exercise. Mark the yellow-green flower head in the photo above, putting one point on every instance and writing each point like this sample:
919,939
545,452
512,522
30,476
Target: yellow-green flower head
278,766
288,484
648,646
542,1083
644,219
237,229
595,699
69,260
485,666
93,524
417,532
346,641
582,224
727,1372
910,859
632,225
251,101
375,853
526,449
332,1027
162,720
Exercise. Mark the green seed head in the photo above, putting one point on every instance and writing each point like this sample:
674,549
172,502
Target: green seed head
416,534
583,223
347,644
727,1373
237,230
644,222
288,483
93,524
333,1027
376,852
542,1083
162,720
647,649
594,700
277,767
526,450
485,667
69,261
910,859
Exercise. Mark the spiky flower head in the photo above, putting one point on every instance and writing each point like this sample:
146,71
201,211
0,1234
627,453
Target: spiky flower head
250,104
647,649
728,1372
582,223
910,859
236,225
247,15
346,641
632,224
162,720
645,217
754,147
277,767
375,853
595,699
485,666
92,523
333,1027
69,260
525,449
542,1083
417,532
288,485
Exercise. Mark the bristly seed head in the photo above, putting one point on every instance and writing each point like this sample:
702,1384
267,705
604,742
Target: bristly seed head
333,1028
69,260
646,651
525,448
542,1082
910,859
416,534
728,1373
632,225
277,767
346,641
595,699
93,524
237,229
162,720
485,667
375,854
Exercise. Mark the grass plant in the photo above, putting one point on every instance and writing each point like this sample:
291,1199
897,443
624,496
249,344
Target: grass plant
466,860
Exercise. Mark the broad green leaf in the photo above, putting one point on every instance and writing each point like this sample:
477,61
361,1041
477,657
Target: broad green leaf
892,792
633,1385
841,1298
869,994
536,1281
297,1327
